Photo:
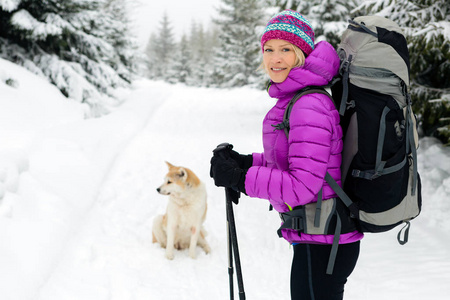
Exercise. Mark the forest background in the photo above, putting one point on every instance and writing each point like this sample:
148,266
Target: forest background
87,48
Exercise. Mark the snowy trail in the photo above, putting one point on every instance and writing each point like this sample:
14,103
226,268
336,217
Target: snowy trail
111,256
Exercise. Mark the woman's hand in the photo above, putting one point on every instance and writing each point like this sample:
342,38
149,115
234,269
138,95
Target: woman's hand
244,161
227,173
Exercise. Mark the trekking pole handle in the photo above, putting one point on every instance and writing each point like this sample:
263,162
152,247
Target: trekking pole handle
223,150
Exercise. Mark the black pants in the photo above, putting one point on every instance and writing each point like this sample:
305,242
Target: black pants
309,280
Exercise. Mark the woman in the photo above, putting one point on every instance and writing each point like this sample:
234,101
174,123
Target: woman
291,171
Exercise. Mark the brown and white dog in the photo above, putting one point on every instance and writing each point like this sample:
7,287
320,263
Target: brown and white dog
181,226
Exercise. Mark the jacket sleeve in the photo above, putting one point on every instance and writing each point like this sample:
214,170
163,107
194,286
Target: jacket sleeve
258,159
309,148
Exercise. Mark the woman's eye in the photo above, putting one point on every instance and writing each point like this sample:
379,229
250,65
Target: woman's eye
286,49
267,50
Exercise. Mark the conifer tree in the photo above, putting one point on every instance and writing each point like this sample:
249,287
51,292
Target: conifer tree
71,42
426,26
181,70
199,54
152,59
330,18
117,30
210,46
290,4
165,46
429,46
238,56
188,61
161,50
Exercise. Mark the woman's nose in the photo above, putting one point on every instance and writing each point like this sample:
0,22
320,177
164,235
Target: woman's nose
276,58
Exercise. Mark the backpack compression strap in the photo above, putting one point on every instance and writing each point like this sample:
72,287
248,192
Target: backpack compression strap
345,69
379,163
410,142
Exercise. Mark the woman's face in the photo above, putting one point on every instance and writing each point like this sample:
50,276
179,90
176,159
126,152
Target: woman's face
279,58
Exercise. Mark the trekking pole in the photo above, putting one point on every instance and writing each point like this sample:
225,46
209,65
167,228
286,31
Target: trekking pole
230,257
234,242
232,196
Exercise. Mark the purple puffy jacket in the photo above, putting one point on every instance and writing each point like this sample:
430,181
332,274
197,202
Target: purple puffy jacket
291,172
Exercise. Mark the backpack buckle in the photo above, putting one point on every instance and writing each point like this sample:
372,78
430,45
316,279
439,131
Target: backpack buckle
344,67
294,219
282,217
297,224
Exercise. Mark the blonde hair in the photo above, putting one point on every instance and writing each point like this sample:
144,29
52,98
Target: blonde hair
299,60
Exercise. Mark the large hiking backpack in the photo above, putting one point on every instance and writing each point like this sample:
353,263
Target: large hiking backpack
379,168
381,185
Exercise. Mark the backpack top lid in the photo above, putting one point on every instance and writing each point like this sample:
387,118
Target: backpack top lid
376,43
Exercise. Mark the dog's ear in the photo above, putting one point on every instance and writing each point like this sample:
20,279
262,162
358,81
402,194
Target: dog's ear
182,174
169,165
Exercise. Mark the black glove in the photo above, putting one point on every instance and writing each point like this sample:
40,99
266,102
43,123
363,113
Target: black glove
244,161
226,173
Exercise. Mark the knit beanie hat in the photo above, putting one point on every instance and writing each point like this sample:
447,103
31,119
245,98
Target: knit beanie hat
290,26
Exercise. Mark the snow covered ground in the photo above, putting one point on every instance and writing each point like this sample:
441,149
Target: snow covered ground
78,197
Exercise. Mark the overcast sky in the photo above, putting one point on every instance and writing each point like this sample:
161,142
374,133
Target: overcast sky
147,14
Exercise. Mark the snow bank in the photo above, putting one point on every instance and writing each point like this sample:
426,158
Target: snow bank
52,165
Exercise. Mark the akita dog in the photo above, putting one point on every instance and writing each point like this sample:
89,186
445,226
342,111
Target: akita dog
181,226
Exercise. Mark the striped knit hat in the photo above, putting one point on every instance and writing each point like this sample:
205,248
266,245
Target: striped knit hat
290,26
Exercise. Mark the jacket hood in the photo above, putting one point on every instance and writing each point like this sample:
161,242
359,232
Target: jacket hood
319,68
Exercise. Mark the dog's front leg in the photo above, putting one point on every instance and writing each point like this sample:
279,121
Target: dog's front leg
195,232
171,227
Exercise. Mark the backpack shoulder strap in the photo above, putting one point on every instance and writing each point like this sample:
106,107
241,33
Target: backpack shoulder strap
285,126
305,91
